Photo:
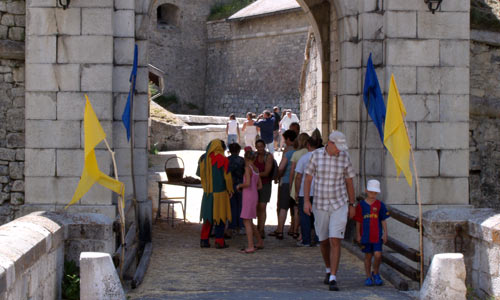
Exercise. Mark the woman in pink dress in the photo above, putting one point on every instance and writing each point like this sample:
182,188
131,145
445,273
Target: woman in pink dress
250,186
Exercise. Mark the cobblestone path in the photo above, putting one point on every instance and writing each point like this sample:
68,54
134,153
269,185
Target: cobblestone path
180,269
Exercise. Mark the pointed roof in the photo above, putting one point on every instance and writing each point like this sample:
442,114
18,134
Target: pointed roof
262,8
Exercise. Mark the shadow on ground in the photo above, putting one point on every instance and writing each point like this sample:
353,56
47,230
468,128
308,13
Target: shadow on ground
180,269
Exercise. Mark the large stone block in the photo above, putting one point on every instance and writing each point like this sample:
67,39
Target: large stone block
16,7
444,190
40,162
124,23
71,106
421,107
400,5
141,106
41,49
53,190
427,162
85,49
397,191
370,137
455,5
428,80
121,76
143,52
372,26
92,3
445,278
141,185
349,82
351,55
444,25
98,195
406,79
68,21
401,24
455,81
41,21
373,162
68,77
454,53
412,52
40,77
376,49
98,78
52,134
124,165
348,108
454,163
125,4
443,135
142,80
41,106
70,162
97,21
99,279
351,131
124,51
348,29
41,3
453,108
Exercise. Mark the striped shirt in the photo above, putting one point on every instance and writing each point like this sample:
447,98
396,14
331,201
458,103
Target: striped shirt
330,173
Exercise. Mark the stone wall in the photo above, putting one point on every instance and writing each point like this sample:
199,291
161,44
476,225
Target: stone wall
12,31
180,51
255,64
33,249
484,180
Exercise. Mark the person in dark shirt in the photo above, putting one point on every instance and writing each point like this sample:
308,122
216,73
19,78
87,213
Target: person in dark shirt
276,132
265,122
237,170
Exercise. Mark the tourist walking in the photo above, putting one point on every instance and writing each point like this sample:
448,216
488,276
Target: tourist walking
276,132
250,186
217,184
265,122
284,201
264,163
306,221
232,130
237,170
300,146
332,170
250,131
287,120
371,231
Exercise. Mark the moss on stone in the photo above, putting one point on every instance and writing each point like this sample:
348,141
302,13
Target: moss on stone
482,16
223,10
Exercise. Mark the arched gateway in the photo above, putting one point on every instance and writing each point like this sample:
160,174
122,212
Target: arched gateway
88,48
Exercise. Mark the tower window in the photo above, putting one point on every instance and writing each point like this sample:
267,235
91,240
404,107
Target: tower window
168,14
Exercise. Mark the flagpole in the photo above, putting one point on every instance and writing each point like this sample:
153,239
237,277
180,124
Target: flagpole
419,201
121,211
134,198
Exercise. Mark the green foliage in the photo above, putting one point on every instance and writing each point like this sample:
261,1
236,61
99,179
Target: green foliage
192,105
167,100
71,281
223,10
482,16
154,149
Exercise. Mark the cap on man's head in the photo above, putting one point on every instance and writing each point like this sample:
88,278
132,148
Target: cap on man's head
339,139
373,186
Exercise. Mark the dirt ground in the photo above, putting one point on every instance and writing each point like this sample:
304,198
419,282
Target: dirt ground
180,269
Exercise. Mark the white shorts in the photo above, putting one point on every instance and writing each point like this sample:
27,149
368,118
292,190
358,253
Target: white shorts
331,225
270,147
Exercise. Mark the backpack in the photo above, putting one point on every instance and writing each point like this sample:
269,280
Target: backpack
274,169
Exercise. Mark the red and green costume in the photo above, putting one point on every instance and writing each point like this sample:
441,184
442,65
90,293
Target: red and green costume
217,185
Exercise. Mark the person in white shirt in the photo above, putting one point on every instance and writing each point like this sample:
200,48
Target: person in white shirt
232,130
288,119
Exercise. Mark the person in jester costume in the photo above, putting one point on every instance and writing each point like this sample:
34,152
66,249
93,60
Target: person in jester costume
217,187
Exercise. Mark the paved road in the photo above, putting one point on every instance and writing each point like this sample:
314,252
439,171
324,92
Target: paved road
179,269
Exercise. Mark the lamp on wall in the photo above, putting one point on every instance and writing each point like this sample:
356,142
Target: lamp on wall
64,3
432,4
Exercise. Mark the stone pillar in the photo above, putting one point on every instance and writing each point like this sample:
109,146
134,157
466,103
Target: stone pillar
445,279
98,278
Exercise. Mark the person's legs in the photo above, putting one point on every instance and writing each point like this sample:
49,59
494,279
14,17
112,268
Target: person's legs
281,222
261,216
233,201
305,223
377,261
368,264
260,241
270,147
205,234
334,255
249,232
219,235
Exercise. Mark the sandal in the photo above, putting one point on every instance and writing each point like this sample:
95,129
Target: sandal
259,247
279,235
273,233
295,235
245,251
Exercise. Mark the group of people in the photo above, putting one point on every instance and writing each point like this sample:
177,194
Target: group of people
268,126
315,185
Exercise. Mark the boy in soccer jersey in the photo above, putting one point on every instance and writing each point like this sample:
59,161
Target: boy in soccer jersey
371,229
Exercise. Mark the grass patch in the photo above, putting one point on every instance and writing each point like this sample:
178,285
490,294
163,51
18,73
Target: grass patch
482,17
71,281
223,10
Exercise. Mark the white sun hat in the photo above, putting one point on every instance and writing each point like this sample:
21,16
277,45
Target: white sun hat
373,186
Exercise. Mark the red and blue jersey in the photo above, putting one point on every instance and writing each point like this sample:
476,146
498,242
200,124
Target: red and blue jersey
371,217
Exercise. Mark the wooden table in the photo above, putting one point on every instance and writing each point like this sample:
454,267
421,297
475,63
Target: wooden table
170,199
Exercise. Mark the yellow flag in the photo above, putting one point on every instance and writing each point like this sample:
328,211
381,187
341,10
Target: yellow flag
91,174
395,135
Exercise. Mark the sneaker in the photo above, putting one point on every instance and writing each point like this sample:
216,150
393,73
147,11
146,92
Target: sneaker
333,285
204,244
377,279
300,244
219,246
327,278
369,281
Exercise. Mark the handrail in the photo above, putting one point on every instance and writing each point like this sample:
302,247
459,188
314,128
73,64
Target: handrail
403,217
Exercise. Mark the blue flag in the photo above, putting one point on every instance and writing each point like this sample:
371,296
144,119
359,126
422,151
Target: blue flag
130,98
374,101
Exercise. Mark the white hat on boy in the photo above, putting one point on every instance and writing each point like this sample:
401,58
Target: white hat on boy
373,186
339,139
